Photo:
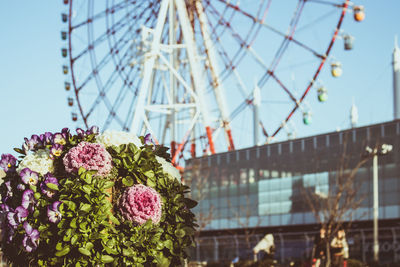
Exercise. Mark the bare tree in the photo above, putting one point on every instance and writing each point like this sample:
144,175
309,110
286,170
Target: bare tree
336,207
243,215
199,178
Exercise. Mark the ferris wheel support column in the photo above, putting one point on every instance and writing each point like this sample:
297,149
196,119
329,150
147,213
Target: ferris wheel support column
188,36
213,65
172,79
148,68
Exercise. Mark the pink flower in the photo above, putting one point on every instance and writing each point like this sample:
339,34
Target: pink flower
89,156
140,203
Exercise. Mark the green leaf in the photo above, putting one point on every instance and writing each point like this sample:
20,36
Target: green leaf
87,189
37,195
19,150
151,182
149,173
128,181
74,239
127,252
85,252
89,245
87,178
190,203
108,184
42,228
180,233
162,261
36,214
71,205
73,223
169,245
33,188
63,252
59,246
107,259
114,220
81,170
52,186
85,207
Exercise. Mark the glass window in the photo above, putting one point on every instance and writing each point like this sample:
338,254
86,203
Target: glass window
390,185
223,202
392,212
286,206
252,178
264,174
243,176
274,184
392,198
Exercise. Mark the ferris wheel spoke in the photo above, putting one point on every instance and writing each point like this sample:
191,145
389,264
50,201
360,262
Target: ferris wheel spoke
103,62
219,15
344,7
101,95
292,97
114,108
104,90
243,42
325,2
317,20
117,7
285,43
116,27
291,39
247,14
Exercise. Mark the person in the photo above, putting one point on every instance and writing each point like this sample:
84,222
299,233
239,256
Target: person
319,248
339,249
266,245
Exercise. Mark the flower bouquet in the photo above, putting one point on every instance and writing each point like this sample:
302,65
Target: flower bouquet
93,199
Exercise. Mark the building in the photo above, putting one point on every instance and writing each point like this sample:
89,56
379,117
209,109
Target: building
247,193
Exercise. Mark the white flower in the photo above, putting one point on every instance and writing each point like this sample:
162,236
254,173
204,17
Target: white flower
169,168
38,161
117,138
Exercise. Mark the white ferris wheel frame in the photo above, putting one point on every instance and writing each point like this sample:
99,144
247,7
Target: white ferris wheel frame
198,108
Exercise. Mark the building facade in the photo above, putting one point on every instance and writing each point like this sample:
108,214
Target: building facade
247,193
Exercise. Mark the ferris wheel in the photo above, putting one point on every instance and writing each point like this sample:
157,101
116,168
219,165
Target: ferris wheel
197,73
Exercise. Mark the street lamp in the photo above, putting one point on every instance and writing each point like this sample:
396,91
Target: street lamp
382,150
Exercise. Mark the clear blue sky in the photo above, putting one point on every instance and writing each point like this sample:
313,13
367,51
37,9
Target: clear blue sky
33,100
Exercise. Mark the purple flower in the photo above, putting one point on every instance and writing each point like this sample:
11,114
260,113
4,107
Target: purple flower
81,133
7,162
25,147
56,150
48,178
4,208
21,187
29,177
31,238
53,213
33,143
48,137
65,133
9,191
148,140
59,139
28,199
17,216
93,130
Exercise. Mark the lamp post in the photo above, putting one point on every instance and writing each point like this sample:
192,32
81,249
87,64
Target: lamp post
382,150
